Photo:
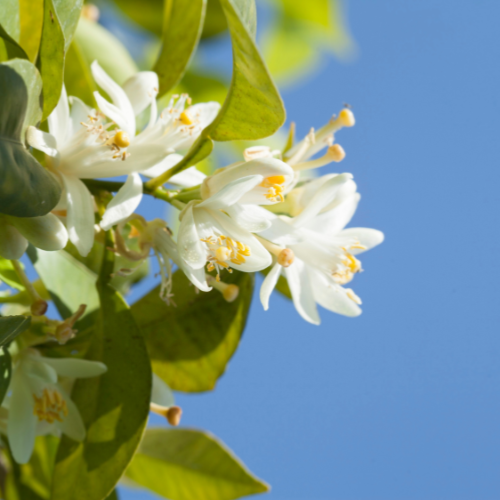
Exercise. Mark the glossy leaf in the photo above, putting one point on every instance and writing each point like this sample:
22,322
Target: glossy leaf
182,24
60,18
253,108
26,188
96,43
12,326
191,344
114,407
185,464
5,371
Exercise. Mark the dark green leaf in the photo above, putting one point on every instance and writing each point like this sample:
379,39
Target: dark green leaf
114,406
26,188
113,496
114,59
146,13
253,108
5,371
190,345
12,48
60,18
215,20
12,326
183,464
182,23
77,75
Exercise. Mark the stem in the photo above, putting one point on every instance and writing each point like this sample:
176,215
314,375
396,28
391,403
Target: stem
30,289
108,259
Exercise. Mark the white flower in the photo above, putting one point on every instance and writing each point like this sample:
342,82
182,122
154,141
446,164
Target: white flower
277,178
323,252
46,232
39,405
207,234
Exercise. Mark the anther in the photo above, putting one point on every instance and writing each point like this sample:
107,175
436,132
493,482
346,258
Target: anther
121,139
286,257
173,414
184,118
336,152
346,118
229,291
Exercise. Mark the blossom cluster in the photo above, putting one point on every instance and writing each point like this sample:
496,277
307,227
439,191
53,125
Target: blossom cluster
267,212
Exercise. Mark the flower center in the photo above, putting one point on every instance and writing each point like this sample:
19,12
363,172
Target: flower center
276,186
50,406
184,119
224,250
347,269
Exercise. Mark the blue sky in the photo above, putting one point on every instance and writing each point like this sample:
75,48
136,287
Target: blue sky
402,402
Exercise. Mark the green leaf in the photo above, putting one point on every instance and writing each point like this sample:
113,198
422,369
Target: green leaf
5,371
145,13
182,24
12,48
9,18
60,18
113,496
26,188
11,327
114,407
114,58
191,344
77,75
9,275
67,294
215,20
184,464
253,108
31,12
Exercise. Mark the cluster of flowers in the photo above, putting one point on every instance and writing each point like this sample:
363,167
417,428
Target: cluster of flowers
258,214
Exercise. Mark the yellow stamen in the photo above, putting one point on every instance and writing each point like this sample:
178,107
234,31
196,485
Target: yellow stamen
50,406
171,413
346,118
184,119
350,293
336,152
223,249
276,186
121,139
286,257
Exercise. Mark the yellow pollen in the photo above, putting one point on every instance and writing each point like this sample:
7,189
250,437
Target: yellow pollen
275,185
346,118
223,249
336,152
351,266
121,139
50,406
184,119
357,246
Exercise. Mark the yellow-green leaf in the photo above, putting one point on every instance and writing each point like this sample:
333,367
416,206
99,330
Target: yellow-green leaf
185,464
191,344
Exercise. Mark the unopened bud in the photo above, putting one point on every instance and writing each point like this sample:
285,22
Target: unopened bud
346,118
174,414
39,307
286,257
336,152
231,292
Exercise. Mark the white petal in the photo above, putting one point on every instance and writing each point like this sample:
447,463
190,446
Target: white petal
21,427
79,113
333,221
124,203
116,114
322,198
12,243
204,112
197,277
302,293
231,192
80,216
187,178
42,141
367,237
268,285
163,166
46,232
141,89
59,121
72,425
161,394
250,217
76,368
332,296
119,98
188,241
